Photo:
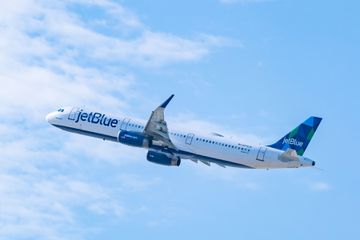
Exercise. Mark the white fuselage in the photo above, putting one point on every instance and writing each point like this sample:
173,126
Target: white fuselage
189,145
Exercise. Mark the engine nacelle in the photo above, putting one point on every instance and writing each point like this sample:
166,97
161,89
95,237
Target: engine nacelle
134,139
163,159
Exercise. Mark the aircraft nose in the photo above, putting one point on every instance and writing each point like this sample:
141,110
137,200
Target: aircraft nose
50,117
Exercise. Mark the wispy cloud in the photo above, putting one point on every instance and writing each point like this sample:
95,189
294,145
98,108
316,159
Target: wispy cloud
320,186
48,50
51,54
44,208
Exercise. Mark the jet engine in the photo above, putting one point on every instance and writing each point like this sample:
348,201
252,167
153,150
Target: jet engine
134,139
163,159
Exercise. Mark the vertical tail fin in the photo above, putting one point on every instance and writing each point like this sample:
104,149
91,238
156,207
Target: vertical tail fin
299,138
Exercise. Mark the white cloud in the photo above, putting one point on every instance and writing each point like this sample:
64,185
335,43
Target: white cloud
44,50
51,55
320,186
43,208
47,28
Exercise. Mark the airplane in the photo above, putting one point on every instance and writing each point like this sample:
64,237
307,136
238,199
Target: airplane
169,147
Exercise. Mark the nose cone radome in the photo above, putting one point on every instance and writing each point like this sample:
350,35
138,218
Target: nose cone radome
50,118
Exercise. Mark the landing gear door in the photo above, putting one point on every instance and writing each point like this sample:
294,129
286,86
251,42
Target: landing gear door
261,154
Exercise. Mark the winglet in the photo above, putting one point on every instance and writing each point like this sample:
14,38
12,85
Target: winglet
167,101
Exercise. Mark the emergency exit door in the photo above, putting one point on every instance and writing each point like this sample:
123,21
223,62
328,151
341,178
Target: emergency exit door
261,154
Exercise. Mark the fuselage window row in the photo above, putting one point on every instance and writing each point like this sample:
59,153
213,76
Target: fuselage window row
200,139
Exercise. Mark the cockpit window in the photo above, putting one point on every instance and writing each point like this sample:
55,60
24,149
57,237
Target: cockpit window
60,110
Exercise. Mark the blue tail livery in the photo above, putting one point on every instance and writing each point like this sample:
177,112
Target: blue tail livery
299,138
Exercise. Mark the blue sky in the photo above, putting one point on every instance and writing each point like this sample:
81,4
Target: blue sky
251,68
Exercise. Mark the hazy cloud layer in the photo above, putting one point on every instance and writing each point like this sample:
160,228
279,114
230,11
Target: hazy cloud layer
49,55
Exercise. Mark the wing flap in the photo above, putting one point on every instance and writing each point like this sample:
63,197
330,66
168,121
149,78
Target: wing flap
205,162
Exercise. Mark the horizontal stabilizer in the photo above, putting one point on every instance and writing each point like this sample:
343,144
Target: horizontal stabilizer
289,155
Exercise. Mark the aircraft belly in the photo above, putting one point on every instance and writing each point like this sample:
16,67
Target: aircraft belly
214,155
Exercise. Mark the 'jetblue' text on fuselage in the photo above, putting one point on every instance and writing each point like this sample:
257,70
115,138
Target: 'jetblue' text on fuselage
97,118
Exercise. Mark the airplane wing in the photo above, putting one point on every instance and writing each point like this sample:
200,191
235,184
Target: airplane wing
156,126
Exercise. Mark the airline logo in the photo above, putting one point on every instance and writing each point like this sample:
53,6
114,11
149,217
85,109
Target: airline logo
97,118
293,141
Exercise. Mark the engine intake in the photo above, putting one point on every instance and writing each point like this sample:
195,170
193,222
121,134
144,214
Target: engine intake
163,159
134,139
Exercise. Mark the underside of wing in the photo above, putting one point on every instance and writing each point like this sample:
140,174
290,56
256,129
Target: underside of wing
156,127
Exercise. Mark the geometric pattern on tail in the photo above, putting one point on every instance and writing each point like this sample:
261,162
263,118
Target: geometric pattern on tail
299,138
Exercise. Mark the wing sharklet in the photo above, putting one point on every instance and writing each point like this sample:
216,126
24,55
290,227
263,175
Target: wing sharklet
167,101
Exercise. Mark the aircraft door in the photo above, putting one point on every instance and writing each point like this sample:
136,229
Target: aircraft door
125,124
261,154
189,138
73,114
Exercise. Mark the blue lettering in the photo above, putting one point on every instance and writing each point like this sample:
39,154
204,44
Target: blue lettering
114,122
96,118
102,118
89,118
78,116
83,116
107,123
